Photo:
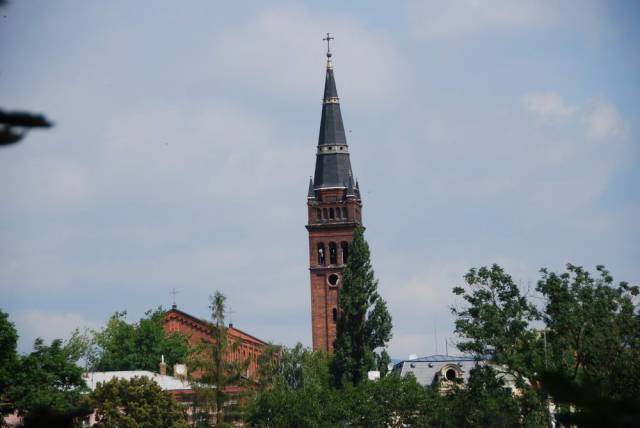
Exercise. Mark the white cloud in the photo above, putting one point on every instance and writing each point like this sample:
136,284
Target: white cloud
438,19
547,105
600,119
32,324
470,16
279,49
603,121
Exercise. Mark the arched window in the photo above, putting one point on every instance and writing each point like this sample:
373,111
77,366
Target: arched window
344,212
335,315
344,246
333,253
450,374
321,254
331,215
324,213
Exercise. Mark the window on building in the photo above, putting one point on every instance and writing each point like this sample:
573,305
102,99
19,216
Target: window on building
333,279
338,212
321,254
333,253
344,212
344,246
318,214
450,374
335,315
324,213
331,214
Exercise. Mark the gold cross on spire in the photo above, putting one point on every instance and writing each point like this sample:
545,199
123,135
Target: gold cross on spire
328,40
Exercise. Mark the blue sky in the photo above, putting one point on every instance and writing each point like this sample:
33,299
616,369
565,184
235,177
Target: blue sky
480,132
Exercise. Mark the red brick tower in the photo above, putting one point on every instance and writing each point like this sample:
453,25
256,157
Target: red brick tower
334,211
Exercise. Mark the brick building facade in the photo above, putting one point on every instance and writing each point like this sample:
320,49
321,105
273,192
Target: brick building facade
334,211
198,330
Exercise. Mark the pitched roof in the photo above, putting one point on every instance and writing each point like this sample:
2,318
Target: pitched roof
167,383
425,369
205,326
439,358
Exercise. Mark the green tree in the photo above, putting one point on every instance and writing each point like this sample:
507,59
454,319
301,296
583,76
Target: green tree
593,347
214,370
364,324
392,401
135,403
133,346
302,394
8,361
587,355
485,402
48,386
299,393
497,322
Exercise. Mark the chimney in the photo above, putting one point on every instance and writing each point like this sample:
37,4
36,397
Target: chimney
163,367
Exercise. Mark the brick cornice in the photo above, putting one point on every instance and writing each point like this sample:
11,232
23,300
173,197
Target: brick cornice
336,225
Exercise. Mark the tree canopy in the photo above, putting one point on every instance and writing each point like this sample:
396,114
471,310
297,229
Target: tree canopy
121,345
135,403
364,323
577,345
44,386
8,360
213,370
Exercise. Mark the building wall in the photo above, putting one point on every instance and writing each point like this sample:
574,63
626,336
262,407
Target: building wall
322,230
198,330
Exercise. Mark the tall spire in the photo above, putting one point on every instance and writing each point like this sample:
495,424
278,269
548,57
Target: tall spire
333,167
311,194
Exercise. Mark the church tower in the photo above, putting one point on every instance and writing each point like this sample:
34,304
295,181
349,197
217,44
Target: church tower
334,211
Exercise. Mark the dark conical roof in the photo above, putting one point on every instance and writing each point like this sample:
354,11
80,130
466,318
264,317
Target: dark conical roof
351,193
311,194
333,167
331,126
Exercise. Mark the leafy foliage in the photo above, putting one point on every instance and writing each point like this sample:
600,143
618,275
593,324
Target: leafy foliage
135,403
47,387
133,346
8,360
302,394
484,402
213,371
586,356
364,323
593,347
497,321
299,393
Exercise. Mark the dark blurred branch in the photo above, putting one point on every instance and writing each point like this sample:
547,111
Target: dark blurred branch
15,125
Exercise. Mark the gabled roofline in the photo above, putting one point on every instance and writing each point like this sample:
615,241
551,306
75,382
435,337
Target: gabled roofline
206,323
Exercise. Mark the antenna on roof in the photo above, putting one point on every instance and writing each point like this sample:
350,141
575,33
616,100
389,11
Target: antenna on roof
174,292
435,337
231,312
